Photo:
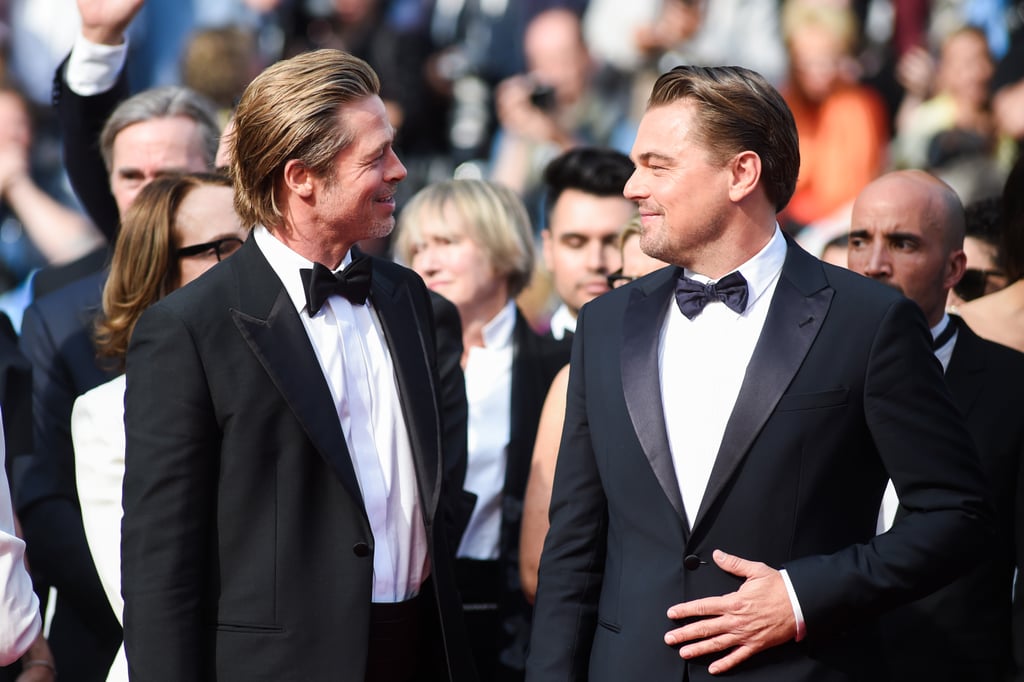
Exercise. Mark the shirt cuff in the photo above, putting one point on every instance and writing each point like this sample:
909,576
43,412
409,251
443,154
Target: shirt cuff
93,68
801,627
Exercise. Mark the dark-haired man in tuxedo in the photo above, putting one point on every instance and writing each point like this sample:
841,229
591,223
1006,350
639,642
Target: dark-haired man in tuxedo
907,231
730,426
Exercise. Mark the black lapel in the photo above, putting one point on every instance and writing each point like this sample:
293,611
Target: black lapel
404,332
641,387
801,300
269,323
965,366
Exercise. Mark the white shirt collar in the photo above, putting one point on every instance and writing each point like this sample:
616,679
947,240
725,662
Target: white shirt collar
498,332
562,321
286,263
761,270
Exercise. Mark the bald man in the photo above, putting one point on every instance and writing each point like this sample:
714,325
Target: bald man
907,231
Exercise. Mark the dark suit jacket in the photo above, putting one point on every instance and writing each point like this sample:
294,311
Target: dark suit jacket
969,621
246,550
536,360
840,390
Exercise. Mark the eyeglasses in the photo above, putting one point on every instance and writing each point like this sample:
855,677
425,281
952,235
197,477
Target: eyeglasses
617,279
221,247
976,283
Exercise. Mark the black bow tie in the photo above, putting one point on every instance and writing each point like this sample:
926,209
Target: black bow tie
692,296
353,283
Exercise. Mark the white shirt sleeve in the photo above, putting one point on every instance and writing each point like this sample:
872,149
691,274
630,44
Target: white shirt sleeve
93,68
19,606
798,614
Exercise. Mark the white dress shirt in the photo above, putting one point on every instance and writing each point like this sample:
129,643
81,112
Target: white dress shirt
353,354
97,431
93,68
891,501
19,606
562,322
489,394
702,363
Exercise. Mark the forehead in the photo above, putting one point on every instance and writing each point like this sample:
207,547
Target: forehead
175,138
665,129
894,205
366,121
587,214
207,210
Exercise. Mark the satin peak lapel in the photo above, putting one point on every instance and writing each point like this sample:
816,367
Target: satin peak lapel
279,341
641,385
403,331
801,299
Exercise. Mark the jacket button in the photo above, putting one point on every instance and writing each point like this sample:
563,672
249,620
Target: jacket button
361,549
691,562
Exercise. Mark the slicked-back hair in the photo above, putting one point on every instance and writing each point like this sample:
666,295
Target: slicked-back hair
163,102
599,171
737,110
291,111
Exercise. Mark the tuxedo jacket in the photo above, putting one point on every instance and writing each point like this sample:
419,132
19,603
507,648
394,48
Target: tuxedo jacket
246,549
841,392
969,620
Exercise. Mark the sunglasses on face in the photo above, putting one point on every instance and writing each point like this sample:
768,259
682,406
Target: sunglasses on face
976,283
221,247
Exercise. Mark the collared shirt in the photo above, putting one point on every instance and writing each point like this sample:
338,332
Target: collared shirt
353,354
890,500
489,393
562,322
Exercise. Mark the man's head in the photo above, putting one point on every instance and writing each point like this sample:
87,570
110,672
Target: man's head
315,123
716,147
907,231
585,211
556,55
162,130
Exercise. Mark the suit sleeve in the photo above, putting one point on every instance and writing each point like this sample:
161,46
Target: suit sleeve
929,455
171,465
1017,632
458,503
81,120
572,563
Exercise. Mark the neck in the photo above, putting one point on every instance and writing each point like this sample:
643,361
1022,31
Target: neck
318,245
475,317
736,246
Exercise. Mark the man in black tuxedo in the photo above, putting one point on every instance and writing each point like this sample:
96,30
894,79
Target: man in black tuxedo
907,231
284,421
730,426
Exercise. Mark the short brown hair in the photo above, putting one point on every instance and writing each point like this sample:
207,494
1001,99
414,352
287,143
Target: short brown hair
290,111
738,110
141,270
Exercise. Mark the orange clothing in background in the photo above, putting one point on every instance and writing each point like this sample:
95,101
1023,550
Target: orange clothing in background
842,148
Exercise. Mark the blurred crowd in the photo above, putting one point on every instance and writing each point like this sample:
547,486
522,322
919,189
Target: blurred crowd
494,89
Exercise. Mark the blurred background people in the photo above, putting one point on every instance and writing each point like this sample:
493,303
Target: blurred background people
472,242
983,248
178,227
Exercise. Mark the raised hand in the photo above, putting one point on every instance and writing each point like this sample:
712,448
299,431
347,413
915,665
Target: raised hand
105,21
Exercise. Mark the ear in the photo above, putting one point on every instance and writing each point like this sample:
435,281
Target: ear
956,265
745,173
298,178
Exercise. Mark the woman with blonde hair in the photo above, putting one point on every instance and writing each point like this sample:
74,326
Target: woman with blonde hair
177,228
471,241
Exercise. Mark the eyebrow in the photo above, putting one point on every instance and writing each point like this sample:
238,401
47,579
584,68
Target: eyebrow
647,157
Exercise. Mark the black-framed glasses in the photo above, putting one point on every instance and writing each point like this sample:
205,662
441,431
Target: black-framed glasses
976,283
617,279
221,247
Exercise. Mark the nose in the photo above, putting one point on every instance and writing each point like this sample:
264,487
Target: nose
634,189
424,261
396,169
878,265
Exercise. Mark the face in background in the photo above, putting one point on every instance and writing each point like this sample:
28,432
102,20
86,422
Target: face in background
206,214
581,244
677,222
556,55
966,67
144,150
452,263
357,198
900,236
15,123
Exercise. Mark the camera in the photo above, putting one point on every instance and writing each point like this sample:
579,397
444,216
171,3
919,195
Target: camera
543,97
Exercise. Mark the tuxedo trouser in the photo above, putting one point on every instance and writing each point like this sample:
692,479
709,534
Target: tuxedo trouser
405,643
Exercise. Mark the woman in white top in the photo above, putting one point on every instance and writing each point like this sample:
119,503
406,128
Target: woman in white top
177,228
471,242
